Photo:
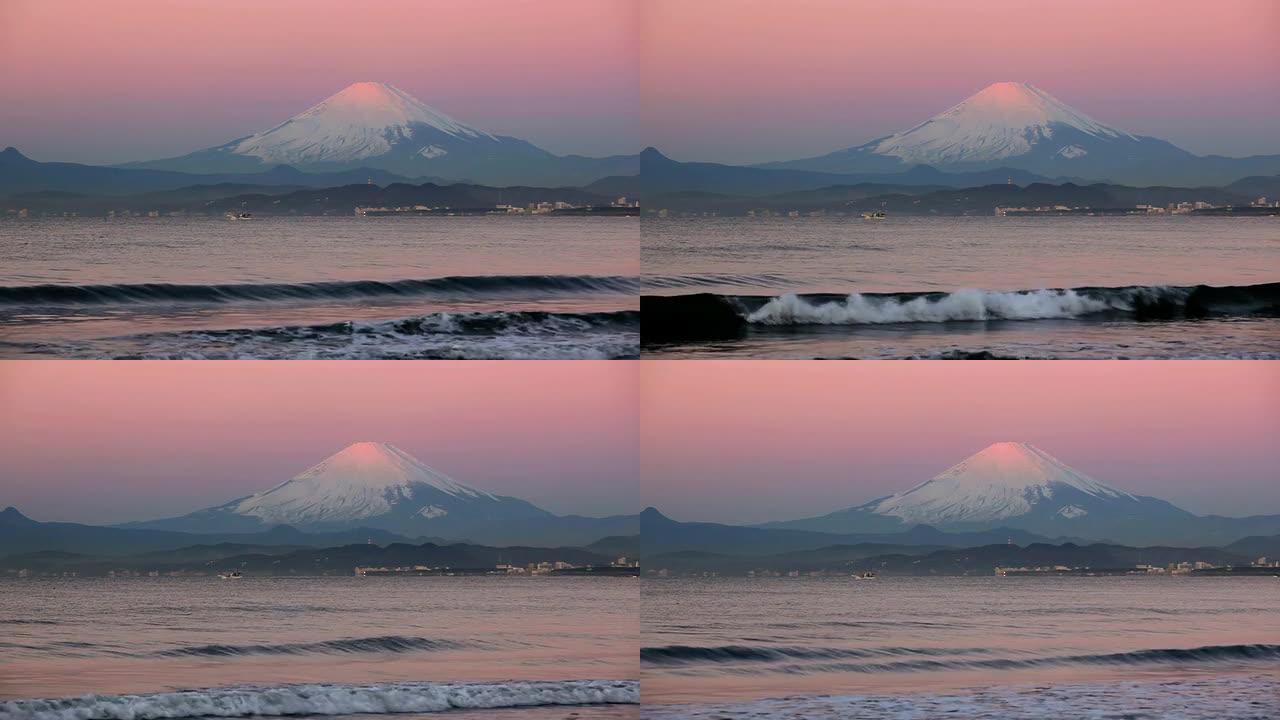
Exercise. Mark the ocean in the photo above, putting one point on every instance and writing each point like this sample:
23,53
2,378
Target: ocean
478,647
338,288
998,648
963,287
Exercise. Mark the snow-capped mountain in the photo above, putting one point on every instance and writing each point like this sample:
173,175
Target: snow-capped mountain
362,121
365,480
376,125
1018,125
1004,120
377,485
1014,485
1004,480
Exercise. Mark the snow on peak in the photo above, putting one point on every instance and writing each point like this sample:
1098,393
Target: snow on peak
362,120
1002,120
1001,481
364,479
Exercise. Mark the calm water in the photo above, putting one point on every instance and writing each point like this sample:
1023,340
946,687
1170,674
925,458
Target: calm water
484,287
952,287
199,647
964,647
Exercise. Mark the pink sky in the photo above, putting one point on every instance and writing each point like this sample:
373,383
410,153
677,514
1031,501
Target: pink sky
115,441
92,81
757,80
753,441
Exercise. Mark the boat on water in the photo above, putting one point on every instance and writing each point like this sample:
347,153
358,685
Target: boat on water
233,575
876,215
865,575
239,216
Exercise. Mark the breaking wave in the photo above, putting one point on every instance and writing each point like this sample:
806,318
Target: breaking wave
857,309
461,336
707,316
1209,654
1156,302
325,699
383,644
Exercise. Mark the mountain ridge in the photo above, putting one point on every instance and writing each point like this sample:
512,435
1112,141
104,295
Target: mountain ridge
378,485
1019,125
377,125
1020,486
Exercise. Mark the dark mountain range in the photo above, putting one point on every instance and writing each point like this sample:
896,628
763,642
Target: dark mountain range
193,199
616,545
1256,546
337,560
20,534
660,535
1256,186
20,175
343,200
660,174
979,560
830,557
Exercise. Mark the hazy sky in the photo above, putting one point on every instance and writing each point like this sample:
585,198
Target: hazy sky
114,441
754,441
726,80
93,81
758,80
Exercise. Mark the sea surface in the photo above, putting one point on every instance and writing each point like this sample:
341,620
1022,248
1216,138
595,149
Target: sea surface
473,648
386,287
1000,287
996,648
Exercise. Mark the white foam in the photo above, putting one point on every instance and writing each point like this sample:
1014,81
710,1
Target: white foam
324,699
969,304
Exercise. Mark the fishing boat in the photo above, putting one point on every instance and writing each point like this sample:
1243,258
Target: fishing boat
876,215
239,216
233,575
865,575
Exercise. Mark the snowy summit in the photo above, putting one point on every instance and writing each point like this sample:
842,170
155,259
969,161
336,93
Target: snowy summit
1003,480
1003,120
375,125
1018,126
378,485
364,480
1010,485
361,121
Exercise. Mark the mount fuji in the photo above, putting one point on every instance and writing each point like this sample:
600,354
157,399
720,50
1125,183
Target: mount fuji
1017,125
376,125
377,485
1017,485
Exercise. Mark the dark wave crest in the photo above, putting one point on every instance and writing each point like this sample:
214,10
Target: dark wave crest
486,285
450,286
689,654
382,644
946,658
